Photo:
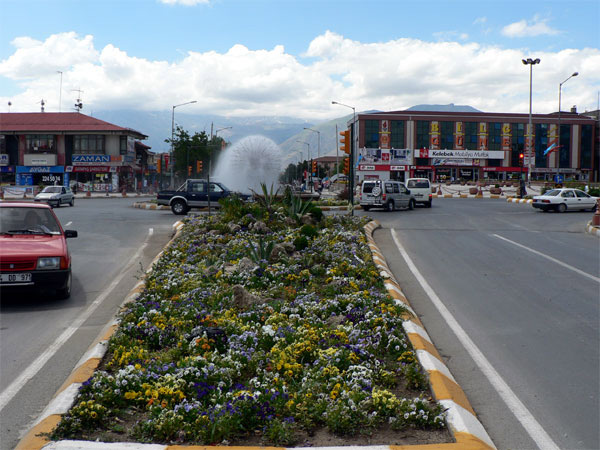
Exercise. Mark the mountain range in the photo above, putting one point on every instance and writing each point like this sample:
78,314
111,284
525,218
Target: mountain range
284,131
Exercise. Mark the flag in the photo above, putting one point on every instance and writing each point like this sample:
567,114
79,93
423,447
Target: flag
550,149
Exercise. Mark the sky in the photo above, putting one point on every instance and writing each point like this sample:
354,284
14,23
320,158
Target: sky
294,57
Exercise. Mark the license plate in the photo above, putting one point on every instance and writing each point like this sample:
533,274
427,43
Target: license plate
15,277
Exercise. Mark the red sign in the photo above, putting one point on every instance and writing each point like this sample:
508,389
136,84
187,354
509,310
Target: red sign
93,169
504,169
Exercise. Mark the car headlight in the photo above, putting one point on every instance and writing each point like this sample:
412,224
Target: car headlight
51,263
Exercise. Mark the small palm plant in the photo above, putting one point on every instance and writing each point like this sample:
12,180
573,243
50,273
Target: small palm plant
261,253
268,198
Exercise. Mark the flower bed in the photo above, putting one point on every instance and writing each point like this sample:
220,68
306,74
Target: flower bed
254,325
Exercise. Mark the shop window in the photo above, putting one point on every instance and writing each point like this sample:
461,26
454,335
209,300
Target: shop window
470,135
586,146
88,144
397,129
447,135
372,133
123,145
541,144
422,134
40,143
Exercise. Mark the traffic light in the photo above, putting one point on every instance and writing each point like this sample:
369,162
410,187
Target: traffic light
189,171
314,167
345,141
198,166
347,166
521,159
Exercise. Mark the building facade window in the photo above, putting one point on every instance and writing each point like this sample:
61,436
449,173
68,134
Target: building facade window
541,144
495,136
397,130
565,146
517,142
447,135
123,145
422,134
586,146
372,133
39,143
92,144
470,135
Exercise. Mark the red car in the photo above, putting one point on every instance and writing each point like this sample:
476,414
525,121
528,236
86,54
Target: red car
33,249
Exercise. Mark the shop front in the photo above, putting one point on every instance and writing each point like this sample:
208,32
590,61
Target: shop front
504,173
93,178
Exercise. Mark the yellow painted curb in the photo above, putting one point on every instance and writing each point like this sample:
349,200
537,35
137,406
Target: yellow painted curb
468,441
446,389
82,373
32,440
419,343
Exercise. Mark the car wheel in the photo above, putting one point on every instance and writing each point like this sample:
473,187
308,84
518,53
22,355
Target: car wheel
179,208
561,208
65,292
428,204
390,205
366,208
411,204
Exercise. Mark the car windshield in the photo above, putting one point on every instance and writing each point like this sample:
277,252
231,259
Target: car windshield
552,193
418,184
52,189
24,220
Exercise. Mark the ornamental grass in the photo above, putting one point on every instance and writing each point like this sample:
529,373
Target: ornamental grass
268,319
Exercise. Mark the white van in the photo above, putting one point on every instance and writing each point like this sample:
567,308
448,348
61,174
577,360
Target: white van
421,189
385,194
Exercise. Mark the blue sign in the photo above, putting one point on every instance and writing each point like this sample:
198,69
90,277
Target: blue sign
559,178
40,169
95,159
7,169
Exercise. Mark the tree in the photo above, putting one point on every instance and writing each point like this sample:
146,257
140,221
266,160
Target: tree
187,150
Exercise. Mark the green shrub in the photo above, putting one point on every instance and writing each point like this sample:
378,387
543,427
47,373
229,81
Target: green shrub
300,243
316,212
309,231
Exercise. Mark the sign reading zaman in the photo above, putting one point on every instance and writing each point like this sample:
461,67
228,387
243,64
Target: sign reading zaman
462,154
90,159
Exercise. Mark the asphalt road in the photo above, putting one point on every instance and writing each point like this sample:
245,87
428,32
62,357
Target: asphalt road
524,287
114,247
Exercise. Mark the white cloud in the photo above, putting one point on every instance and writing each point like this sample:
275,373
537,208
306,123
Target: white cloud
241,82
523,28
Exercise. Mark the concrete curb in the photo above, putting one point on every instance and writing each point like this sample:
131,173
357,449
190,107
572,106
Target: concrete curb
519,200
146,205
64,399
591,229
461,417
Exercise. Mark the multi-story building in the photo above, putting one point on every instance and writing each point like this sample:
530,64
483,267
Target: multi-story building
475,146
69,149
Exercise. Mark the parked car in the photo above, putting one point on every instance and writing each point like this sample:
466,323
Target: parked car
194,194
385,194
564,199
33,249
421,189
56,196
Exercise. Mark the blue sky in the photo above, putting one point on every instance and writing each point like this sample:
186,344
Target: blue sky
248,57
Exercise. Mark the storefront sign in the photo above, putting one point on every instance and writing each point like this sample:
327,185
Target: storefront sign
461,154
482,136
434,136
92,169
93,159
451,162
506,137
401,156
365,167
32,159
504,169
459,136
7,169
40,169
399,168
3,159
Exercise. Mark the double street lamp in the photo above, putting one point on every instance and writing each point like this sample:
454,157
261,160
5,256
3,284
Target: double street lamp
309,159
318,145
173,138
574,74
530,62
351,174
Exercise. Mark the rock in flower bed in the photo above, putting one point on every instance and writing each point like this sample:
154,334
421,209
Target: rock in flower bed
263,322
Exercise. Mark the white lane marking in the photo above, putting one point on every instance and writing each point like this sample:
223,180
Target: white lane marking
68,224
13,389
150,231
531,425
550,258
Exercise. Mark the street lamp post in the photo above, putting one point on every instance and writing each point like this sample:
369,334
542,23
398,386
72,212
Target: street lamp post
531,63
173,137
574,74
354,135
210,165
309,169
318,146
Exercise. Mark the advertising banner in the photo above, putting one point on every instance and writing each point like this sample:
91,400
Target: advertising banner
434,136
459,136
401,156
462,154
482,136
506,137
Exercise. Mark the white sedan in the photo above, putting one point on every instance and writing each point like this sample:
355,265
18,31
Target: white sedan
564,199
